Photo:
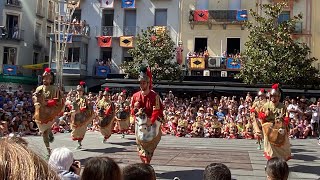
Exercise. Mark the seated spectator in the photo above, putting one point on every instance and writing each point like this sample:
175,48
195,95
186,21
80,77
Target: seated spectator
217,171
102,169
139,171
61,160
277,169
19,162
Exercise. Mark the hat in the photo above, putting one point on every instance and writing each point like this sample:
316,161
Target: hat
145,75
81,86
275,91
47,72
106,91
262,92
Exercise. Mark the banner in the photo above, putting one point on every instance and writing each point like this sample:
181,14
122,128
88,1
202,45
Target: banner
9,69
233,63
104,41
102,71
201,15
197,63
39,66
242,15
126,41
66,38
107,3
160,29
128,4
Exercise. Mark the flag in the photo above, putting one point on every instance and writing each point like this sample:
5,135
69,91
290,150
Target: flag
233,63
201,15
102,71
242,15
128,4
9,69
160,29
126,41
66,38
197,63
107,3
104,41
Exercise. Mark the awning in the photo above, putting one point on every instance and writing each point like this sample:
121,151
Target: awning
35,66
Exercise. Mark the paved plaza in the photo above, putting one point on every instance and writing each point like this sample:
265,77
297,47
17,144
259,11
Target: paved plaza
186,158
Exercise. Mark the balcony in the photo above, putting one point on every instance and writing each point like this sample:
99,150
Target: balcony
117,31
222,17
13,3
11,34
71,68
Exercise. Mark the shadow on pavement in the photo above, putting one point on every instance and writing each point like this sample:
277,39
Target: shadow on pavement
294,150
304,157
129,143
107,150
306,169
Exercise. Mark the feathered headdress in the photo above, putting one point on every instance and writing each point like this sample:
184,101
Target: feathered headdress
106,91
81,86
262,92
145,75
275,91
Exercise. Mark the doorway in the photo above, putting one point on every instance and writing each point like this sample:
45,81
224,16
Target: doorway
233,46
200,45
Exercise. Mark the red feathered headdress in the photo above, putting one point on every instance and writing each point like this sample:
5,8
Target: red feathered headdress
150,77
82,83
48,70
106,89
275,90
275,86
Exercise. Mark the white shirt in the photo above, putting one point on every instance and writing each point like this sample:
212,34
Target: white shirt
292,107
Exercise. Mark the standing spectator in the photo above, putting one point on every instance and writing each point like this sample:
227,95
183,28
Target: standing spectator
15,32
315,118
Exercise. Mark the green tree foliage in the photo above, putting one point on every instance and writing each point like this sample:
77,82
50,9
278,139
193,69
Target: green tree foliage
157,50
272,54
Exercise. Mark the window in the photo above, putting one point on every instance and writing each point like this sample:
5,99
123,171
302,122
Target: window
107,23
284,16
39,7
74,54
9,55
36,57
51,10
160,17
12,25
38,33
126,56
202,4
129,28
234,4
77,14
200,45
49,30
233,46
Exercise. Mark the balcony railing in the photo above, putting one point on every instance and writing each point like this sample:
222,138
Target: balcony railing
16,3
71,66
117,31
14,70
79,29
11,34
222,16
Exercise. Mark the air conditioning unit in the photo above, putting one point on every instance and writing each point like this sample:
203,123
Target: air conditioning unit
206,73
224,74
214,62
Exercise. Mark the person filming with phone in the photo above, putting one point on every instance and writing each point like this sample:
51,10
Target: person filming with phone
61,160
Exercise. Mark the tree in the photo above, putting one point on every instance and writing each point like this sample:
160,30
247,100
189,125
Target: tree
272,54
157,50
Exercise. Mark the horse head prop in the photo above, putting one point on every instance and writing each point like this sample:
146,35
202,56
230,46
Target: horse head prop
145,130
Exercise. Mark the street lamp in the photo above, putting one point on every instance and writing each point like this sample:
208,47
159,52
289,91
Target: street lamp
64,10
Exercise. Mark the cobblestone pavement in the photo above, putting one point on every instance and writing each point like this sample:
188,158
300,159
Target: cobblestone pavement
187,157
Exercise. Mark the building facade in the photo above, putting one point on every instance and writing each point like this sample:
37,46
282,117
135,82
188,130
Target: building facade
25,28
315,31
213,32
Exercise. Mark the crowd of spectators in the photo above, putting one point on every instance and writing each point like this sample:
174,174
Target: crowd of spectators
224,117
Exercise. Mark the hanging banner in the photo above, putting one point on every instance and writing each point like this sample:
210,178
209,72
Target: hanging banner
126,41
104,41
102,71
242,15
197,63
9,69
201,15
233,63
160,29
128,4
66,38
107,3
